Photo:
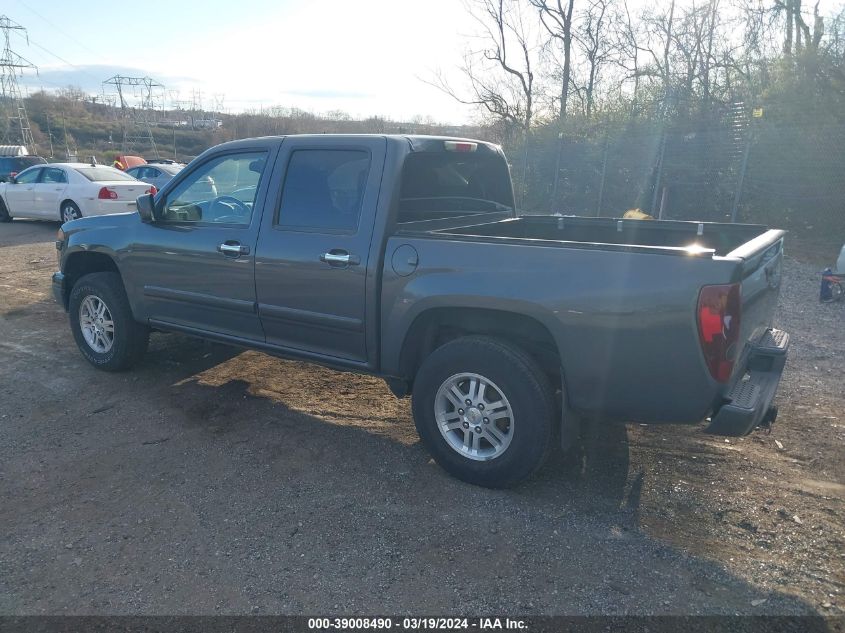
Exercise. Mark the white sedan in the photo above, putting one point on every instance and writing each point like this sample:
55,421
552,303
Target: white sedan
66,191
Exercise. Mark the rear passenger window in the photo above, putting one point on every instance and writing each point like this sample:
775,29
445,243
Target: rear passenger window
53,175
324,189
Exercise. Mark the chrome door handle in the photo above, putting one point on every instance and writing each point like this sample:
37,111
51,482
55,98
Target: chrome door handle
233,248
340,258
333,258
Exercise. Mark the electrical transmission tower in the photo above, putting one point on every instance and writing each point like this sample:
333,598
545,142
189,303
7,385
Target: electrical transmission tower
11,100
137,97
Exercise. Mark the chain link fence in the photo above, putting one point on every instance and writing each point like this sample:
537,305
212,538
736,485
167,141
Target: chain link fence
734,167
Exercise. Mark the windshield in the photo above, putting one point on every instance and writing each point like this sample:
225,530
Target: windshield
103,174
443,184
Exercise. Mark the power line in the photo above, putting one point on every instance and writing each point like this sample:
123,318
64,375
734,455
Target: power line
61,59
65,33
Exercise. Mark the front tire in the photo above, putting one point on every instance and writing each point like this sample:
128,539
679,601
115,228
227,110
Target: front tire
102,323
4,212
484,410
69,211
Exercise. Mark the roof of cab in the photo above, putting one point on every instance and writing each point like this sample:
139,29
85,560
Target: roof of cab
415,142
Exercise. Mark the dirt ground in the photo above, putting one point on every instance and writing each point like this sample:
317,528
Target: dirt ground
210,480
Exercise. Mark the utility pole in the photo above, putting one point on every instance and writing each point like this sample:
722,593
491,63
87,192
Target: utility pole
50,134
69,156
11,100
603,173
137,119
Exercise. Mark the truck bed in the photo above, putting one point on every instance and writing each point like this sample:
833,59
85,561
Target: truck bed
686,238
619,296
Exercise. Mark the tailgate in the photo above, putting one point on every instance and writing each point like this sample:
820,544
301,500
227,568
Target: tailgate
761,272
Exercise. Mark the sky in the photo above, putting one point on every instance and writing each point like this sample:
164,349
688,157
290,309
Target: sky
365,57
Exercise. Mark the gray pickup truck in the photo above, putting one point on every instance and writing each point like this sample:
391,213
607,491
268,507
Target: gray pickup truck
403,257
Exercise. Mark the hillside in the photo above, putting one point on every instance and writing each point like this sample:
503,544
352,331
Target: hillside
72,122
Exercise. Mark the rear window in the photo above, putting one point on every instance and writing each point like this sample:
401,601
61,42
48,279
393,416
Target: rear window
442,184
103,174
22,162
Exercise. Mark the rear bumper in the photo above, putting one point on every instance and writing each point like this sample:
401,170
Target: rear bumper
59,289
750,398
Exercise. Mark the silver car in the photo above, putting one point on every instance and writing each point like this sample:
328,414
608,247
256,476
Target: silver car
157,175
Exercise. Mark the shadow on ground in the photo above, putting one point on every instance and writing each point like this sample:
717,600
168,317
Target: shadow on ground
209,481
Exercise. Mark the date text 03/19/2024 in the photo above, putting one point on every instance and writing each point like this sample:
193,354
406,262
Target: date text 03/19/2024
420,623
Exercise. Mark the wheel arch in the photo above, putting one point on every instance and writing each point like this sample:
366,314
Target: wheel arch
73,202
438,325
81,263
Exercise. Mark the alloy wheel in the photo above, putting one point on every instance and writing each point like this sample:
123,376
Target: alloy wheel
474,416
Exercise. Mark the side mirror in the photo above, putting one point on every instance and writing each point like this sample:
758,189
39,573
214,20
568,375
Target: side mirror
146,208
13,178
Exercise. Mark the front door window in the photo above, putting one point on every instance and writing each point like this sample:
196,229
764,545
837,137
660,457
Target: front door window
221,191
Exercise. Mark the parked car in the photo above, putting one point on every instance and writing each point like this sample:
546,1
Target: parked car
66,191
13,165
125,161
403,257
157,175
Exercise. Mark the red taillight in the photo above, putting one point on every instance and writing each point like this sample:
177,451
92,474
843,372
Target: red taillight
152,190
719,312
107,194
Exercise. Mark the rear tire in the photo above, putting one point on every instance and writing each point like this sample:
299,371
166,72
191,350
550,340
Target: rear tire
102,323
69,211
512,416
4,212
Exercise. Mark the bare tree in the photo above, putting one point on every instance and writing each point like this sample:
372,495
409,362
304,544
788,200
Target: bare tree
597,47
798,35
657,39
628,53
500,73
556,16
708,53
